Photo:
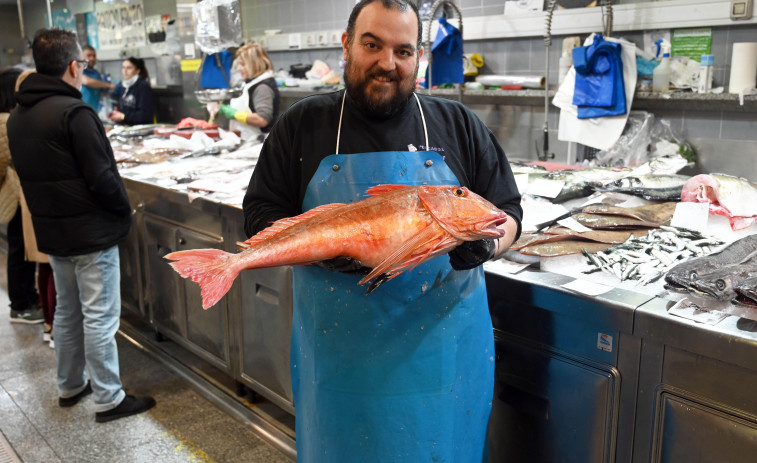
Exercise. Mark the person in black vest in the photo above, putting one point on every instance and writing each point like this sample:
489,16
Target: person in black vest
80,213
254,112
135,101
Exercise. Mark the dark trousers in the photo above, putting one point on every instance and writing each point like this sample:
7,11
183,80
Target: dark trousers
46,286
22,290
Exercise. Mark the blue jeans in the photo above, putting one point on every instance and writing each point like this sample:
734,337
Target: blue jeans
86,320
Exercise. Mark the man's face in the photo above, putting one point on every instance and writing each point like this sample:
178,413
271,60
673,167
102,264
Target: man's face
91,57
382,60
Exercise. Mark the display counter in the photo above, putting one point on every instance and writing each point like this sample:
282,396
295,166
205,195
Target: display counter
608,378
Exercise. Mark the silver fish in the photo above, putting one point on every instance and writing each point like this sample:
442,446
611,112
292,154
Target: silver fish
746,291
659,187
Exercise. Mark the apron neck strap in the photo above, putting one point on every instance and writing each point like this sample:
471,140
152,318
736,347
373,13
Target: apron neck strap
341,114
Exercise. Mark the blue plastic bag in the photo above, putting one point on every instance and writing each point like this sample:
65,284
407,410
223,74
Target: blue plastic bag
214,76
447,55
599,90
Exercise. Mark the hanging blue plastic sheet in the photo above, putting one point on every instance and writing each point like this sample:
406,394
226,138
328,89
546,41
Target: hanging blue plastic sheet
447,55
216,70
599,89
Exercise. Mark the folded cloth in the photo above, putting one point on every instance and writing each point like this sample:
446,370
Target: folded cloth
599,89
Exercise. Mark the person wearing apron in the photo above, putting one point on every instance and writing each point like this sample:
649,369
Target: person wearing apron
406,373
420,348
253,112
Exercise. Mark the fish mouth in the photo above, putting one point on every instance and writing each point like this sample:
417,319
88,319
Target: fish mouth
490,227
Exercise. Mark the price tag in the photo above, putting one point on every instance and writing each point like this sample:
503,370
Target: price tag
693,216
587,287
573,224
504,267
546,188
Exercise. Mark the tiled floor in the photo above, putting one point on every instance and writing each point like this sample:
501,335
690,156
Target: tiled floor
183,426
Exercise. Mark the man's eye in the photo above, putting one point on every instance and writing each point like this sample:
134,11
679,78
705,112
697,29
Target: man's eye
370,45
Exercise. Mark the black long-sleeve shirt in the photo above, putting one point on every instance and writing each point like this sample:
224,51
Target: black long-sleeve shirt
307,133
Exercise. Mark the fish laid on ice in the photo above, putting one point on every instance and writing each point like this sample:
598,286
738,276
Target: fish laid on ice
732,197
721,284
599,221
746,291
656,187
563,248
660,213
393,230
682,276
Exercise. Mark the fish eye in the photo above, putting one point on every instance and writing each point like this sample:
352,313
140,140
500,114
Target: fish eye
720,284
459,192
693,276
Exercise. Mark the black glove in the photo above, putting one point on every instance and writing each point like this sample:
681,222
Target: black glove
471,254
345,265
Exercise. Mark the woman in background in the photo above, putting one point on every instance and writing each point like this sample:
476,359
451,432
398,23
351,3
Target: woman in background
134,99
22,290
257,108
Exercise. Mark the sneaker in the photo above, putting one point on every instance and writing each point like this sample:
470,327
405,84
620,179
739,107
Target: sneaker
30,316
47,335
66,402
129,406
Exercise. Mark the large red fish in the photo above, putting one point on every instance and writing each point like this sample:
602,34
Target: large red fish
396,228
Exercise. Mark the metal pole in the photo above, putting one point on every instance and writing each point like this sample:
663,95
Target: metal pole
21,19
49,15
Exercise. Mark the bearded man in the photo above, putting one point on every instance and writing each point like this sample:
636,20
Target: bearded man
406,373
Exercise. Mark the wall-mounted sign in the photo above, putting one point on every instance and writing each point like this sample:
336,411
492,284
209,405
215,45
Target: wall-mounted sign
120,25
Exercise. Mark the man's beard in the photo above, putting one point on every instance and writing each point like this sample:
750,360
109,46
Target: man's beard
378,105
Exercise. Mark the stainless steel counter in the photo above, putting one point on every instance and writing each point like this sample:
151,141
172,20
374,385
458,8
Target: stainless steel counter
578,378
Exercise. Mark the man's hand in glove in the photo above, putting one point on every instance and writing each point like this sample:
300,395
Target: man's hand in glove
345,265
471,254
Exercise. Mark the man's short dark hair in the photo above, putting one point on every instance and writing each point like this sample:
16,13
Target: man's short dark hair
53,50
89,48
401,5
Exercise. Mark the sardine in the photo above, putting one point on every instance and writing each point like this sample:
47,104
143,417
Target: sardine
393,230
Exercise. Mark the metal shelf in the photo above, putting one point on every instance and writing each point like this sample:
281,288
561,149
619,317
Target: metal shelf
535,97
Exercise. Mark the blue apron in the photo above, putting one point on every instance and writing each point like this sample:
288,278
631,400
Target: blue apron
406,373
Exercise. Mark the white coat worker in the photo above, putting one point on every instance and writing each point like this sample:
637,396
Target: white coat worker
254,111
406,373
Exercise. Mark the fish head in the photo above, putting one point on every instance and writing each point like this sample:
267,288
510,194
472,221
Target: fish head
461,212
717,284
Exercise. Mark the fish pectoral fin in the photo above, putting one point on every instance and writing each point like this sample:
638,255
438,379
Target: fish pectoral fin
427,244
282,224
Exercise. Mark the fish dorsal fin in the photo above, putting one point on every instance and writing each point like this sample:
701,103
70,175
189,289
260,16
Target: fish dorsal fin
282,224
430,242
379,190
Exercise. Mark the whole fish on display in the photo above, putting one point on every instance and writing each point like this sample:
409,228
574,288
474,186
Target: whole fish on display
721,283
393,230
660,213
682,276
746,292
656,187
729,196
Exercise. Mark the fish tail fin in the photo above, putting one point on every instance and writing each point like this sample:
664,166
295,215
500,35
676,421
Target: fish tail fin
212,269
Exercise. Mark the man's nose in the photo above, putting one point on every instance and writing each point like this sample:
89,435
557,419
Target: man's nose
386,59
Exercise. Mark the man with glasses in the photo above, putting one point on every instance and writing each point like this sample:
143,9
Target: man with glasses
80,212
